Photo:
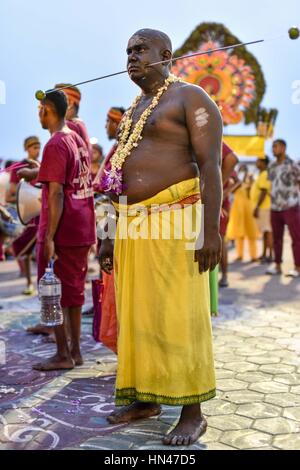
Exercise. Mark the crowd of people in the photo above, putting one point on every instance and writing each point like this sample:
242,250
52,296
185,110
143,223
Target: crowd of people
23,247
175,153
262,205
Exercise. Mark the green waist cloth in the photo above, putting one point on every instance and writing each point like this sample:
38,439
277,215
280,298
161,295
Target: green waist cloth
214,291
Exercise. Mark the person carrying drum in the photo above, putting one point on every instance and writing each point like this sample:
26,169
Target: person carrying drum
24,244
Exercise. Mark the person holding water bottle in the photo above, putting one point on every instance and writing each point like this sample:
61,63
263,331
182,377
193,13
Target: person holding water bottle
67,226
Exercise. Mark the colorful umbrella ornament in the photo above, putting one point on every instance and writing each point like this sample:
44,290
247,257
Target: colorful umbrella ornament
232,78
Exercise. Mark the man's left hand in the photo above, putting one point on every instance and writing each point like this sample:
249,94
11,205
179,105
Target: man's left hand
209,256
49,250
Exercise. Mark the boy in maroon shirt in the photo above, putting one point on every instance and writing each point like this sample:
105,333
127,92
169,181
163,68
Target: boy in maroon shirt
73,121
67,223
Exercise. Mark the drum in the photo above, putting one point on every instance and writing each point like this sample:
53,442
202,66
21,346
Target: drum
29,201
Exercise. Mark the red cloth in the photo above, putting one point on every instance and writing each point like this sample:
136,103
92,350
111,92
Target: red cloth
78,126
109,326
224,219
291,218
2,252
70,268
226,150
24,244
66,161
13,174
14,178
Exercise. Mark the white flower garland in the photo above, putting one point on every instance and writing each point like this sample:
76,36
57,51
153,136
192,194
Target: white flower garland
128,141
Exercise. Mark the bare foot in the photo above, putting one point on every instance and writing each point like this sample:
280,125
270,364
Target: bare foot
223,282
55,363
191,426
50,339
77,358
137,410
40,330
90,311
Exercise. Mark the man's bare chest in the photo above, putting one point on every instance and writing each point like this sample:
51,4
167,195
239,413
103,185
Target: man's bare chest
165,119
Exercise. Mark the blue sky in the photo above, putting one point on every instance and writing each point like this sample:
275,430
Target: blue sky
47,42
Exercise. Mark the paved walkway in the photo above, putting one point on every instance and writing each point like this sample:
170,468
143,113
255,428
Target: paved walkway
257,343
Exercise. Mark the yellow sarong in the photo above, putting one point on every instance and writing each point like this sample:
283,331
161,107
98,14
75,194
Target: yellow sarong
165,350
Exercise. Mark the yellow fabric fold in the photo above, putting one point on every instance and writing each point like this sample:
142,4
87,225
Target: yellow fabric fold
165,352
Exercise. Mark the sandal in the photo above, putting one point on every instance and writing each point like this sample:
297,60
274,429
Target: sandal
293,273
29,290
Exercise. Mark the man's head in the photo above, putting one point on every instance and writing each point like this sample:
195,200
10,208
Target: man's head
279,148
32,146
53,108
97,153
73,95
114,117
148,46
262,163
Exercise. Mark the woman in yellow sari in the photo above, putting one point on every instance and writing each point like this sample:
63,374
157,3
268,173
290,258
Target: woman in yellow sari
242,224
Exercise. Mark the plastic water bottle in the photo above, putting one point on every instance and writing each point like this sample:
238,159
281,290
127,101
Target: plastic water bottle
50,295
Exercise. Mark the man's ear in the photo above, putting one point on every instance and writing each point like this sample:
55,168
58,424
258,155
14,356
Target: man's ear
167,55
49,109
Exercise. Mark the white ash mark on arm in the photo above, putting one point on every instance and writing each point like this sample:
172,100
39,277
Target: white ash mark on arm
201,117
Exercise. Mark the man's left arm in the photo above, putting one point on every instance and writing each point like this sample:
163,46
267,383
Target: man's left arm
296,171
31,172
204,124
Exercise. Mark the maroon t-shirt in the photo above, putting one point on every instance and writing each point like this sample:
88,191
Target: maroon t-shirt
66,161
226,150
78,126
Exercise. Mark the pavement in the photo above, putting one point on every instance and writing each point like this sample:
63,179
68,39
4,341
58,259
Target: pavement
256,342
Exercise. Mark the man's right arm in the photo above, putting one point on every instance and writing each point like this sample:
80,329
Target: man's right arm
29,174
204,124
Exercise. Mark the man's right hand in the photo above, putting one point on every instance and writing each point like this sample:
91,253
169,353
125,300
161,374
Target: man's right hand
106,256
25,173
